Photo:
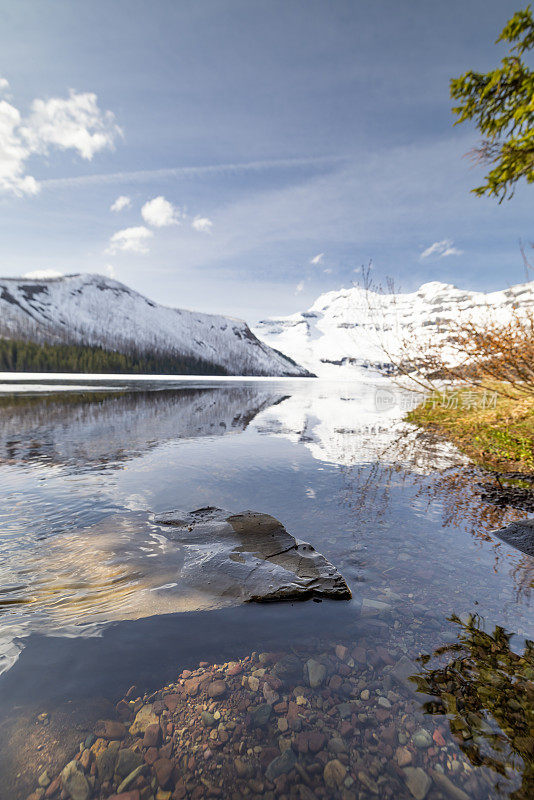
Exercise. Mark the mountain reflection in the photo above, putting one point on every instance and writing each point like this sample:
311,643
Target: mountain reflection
88,429
487,692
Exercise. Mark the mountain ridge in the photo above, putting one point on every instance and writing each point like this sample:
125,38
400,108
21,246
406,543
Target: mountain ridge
93,310
357,330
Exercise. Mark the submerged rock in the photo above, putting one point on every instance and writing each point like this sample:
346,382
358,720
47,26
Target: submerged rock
250,557
519,534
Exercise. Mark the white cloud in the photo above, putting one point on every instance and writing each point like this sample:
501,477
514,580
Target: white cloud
299,287
317,259
202,224
75,123
109,269
130,240
327,271
13,154
4,84
159,212
441,249
43,274
121,203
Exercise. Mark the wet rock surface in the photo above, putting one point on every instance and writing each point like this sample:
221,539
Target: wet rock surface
250,557
519,534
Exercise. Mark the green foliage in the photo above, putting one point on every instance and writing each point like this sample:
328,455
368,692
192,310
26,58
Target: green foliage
22,356
499,436
501,103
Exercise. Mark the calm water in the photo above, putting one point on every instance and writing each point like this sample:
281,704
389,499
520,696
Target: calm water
90,594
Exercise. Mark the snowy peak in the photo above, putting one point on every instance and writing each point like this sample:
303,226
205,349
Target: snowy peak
94,310
352,331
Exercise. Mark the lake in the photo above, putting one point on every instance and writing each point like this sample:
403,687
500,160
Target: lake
94,600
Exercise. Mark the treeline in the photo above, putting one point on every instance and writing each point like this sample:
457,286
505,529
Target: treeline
22,356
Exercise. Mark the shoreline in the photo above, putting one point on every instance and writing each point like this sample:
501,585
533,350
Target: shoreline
494,431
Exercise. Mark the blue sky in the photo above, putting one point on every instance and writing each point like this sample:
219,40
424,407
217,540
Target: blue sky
266,150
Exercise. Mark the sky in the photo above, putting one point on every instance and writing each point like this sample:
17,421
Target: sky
243,158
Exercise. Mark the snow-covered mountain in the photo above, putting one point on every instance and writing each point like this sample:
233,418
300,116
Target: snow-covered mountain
97,311
351,331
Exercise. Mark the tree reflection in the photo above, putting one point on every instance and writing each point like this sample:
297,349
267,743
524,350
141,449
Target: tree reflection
487,691
467,496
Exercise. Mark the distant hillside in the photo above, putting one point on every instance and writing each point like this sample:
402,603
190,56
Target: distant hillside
90,321
24,356
352,330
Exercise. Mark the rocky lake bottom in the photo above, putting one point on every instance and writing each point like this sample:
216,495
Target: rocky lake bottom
131,664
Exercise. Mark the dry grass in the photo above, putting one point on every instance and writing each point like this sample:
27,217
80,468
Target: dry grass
494,430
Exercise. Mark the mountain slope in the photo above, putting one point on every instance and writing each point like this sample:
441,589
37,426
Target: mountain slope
96,311
351,330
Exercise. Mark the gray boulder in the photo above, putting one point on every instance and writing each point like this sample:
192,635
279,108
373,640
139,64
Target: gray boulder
518,534
249,557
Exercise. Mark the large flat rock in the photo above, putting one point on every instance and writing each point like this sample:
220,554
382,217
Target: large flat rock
519,534
250,557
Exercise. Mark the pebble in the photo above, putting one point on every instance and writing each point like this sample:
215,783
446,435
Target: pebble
403,756
163,768
334,773
144,717
417,781
208,719
44,780
315,673
337,745
448,786
110,729
341,651
74,782
127,761
105,764
152,736
422,739
243,768
130,778
261,715
217,689
281,765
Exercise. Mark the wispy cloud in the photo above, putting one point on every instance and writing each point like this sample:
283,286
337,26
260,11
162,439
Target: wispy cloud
130,240
299,287
202,224
121,203
441,250
160,213
317,259
73,123
143,176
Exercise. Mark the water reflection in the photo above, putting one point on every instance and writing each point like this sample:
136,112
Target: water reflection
487,693
85,430
403,518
